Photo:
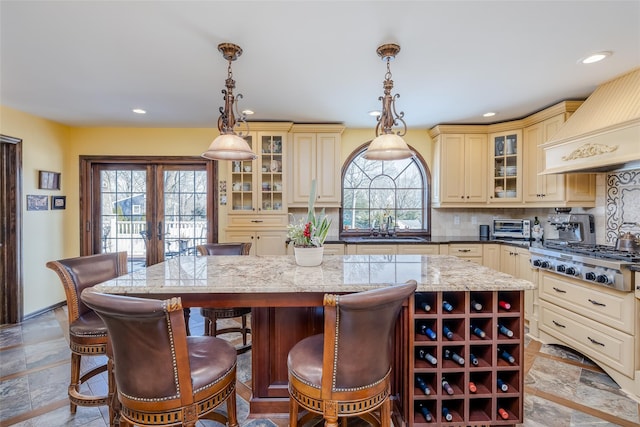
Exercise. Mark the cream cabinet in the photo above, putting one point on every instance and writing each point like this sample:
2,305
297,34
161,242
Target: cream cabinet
391,249
472,251
418,249
460,166
505,169
263,242
315,153
260,186
556,189
517,262
491,255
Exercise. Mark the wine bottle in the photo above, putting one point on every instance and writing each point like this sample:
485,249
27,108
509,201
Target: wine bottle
505,305
505,331
447,387
425,306
448,354
446,414
476,306
425,412
473,359
448,307
472,387
503,414
422,354
423,386
424,330
447,332
506,356
502,385
477,331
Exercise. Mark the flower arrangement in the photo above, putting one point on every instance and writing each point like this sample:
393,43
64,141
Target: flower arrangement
313,231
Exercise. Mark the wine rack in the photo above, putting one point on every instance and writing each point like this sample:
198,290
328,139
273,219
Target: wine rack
474,396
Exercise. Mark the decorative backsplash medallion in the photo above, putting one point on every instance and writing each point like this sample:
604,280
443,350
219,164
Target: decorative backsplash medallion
623,202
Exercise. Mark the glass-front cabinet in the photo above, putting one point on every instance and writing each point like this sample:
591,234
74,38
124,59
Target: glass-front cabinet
258,185
506,167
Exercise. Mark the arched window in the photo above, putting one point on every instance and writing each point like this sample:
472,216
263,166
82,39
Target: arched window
382,196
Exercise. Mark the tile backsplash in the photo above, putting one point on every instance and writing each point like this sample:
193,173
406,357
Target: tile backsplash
622,204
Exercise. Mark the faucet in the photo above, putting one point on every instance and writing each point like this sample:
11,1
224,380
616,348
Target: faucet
390,229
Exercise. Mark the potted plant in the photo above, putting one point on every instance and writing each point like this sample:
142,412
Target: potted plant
308,235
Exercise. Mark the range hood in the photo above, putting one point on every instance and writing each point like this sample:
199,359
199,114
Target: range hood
604,132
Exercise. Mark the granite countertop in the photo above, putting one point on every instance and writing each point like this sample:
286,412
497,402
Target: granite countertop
432,240
338,273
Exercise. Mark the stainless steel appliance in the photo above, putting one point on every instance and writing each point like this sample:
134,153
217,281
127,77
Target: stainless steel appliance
512,228
595,264
565,228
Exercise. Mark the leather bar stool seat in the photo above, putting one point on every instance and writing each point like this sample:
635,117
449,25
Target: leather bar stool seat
87,331
346,371
212,315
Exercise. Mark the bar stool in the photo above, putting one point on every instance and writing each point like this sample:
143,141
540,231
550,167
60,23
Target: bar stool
211,315
87,332
347,370
162,376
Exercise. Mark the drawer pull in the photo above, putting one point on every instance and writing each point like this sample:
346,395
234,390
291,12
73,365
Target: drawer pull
560,325
596,303
256,220
562,291
595,342
464,250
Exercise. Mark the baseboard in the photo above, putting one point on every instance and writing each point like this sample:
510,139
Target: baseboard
44,310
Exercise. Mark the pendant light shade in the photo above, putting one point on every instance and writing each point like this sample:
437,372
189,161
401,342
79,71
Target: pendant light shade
229,145
389,145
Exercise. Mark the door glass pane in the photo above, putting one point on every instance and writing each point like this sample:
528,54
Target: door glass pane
123,214
185,211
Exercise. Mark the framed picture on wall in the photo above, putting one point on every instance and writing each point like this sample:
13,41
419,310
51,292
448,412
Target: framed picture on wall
49,180
37,203
58,202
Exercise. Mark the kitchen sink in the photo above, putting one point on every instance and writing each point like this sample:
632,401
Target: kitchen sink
382,239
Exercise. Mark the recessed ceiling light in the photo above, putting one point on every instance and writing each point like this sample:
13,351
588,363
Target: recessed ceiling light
489,114
247,112
139,111
595,57
374,113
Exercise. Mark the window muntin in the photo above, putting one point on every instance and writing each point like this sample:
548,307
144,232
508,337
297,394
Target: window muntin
374,191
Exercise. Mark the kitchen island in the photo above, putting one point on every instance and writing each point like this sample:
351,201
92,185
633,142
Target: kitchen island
287,306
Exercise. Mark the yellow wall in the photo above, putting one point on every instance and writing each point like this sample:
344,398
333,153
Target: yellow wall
51,146
44,235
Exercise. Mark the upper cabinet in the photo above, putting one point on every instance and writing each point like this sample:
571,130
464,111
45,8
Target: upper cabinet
259,186
315,152
564,190
460,174
512,160
506,167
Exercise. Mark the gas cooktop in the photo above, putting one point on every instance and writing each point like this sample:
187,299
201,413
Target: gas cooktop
595,251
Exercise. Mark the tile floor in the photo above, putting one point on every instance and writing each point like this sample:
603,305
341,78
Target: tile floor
562,388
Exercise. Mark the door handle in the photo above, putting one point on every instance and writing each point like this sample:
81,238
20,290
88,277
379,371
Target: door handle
160,230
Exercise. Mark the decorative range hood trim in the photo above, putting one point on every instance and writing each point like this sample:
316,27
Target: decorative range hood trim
603,134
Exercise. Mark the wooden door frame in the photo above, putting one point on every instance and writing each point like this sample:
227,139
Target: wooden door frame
87,226
11,291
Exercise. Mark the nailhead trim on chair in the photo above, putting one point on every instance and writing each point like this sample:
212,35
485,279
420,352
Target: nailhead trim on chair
88,349
344,408
222,377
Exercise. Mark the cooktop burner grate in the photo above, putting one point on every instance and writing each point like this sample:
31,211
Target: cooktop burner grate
596,251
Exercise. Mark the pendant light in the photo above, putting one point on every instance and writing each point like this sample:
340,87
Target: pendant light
229,145
388,145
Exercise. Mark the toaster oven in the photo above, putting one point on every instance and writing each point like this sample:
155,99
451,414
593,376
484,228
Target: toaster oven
512,228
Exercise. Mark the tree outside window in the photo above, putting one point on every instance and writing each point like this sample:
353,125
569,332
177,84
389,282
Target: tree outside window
377,195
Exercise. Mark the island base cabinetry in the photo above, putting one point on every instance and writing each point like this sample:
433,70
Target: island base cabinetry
482,386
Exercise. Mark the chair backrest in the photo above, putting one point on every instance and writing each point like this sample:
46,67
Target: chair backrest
149,345
358,335
224,249
82,272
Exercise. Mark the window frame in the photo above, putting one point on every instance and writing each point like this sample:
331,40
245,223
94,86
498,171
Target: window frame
426,206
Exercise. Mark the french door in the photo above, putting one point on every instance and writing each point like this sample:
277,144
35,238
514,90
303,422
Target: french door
152,208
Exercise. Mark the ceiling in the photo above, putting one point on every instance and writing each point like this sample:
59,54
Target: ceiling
89,63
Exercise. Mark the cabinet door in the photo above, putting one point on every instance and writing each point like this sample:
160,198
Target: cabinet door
328,174
418,249
334,249
491,256
271,243
243,182
506,167
452,176
376,249
475,168
270,173
532,138
552,185
508,260
303,166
